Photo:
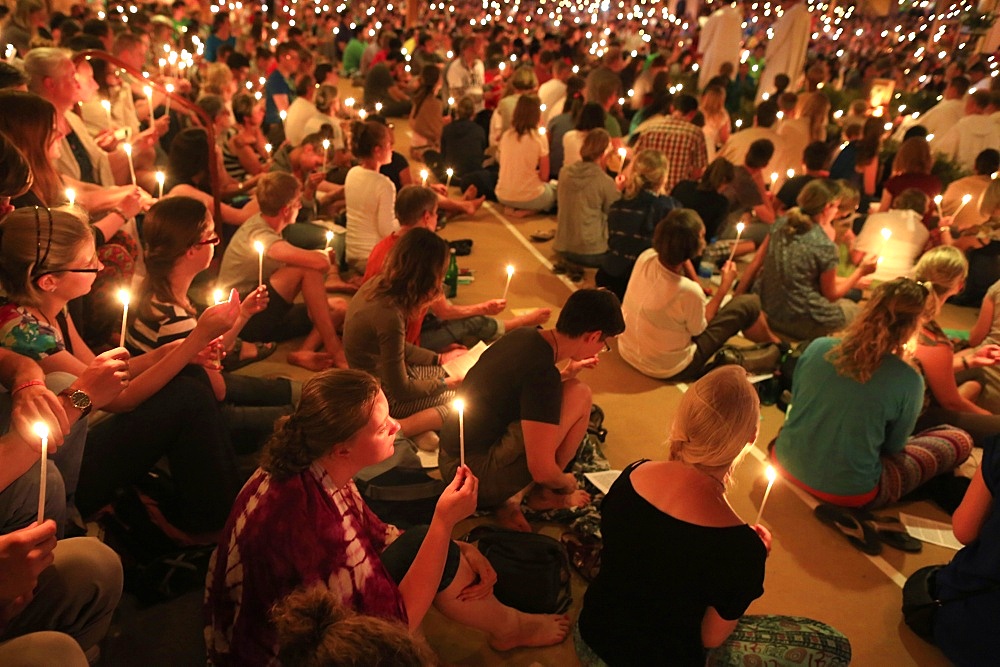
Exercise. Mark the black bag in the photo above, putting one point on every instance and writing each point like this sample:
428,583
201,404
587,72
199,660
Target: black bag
760,358
919,603
532,569
399,490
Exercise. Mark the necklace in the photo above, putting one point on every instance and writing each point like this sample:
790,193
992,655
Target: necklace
719,482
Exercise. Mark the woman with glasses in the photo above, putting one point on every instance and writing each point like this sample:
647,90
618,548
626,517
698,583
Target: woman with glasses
672,329
180,242
855,403
48,258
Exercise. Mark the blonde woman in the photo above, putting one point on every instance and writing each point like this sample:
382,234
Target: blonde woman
680,567
717,123
953,381
856,401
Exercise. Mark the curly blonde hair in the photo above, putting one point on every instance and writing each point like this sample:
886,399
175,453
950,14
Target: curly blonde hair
888,321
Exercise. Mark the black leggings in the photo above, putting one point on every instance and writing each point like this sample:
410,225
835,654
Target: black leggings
182,422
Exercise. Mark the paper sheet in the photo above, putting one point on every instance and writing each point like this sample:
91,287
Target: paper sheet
933,532
459,366
602,479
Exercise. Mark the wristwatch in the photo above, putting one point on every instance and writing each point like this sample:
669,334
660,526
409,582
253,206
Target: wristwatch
79,399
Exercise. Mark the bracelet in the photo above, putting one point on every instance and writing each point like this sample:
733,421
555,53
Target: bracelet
25,385
119,212
965,363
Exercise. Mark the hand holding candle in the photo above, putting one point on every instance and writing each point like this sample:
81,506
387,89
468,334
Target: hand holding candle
259,247
510,274
739,232
449,172
326,150
423,177
622,154
124,297
774,179
771,476
965,200
42,431
460,406
160,180
127,147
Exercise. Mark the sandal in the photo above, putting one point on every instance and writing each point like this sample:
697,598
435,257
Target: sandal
891,531
584,554
860,535
542,235
234,363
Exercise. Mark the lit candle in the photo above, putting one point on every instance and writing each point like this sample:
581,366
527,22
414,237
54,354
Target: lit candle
378,107
166,107
148,90
362,114
937,201
622,153
510,274
460,406
541,130
123,296
790,173
127,147
886,235
449,172
739,232
774,178
106,105
283,114
219,296
329,239
771,476
326,149
71,196
259,247
423,177
267,149
451,103
160,179
42,431
965,200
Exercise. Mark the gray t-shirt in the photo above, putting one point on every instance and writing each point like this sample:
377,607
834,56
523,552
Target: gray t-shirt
240,263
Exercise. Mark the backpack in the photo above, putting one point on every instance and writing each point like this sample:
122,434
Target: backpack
400,490
532,569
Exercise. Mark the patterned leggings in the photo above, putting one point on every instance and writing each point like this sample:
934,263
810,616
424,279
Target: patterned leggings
926,455
440,402
777,641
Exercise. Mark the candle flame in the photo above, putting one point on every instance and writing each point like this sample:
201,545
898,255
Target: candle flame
267,147
160,177
622,152
886,233
127,148
326,144
71,196
774,176
459,405
218,296
124,297
937,200
450,172
106,104
259,247
740,227
966,199
329,236
41,429
510,270
771,473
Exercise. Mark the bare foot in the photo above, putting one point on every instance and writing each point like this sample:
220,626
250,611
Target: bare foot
470,206
470,192
534,630
511,517
541,499
534,318
313,361
516,212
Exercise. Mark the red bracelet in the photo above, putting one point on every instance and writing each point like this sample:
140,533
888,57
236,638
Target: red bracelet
29,383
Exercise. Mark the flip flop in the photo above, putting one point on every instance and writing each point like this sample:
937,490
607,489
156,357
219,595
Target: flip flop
861,536
264,350
891,531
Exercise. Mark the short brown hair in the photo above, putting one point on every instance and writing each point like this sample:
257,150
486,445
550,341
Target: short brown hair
412,202
276,190
676,237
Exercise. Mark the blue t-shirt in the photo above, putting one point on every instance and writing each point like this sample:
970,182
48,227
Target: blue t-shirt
966,630
276,84
837,428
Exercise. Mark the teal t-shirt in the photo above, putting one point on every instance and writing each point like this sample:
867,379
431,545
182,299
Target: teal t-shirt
352,56
837,428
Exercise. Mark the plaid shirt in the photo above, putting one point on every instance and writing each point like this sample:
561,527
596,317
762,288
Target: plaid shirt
682,143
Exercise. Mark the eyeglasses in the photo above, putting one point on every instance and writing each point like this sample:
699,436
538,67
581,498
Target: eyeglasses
215,240
95,271
607,346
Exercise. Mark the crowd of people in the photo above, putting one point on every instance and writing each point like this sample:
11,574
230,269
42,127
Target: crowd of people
849,158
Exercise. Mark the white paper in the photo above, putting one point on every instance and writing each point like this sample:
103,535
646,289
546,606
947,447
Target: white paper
933,532
603,479
459,366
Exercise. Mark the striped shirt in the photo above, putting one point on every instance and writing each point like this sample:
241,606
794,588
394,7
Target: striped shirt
164,323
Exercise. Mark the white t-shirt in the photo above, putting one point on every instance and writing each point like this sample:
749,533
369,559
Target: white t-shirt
663,312
304,119
549,93
572,144
900,253
370,197
519,156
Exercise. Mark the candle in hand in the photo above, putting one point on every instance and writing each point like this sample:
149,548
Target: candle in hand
42,431
71,196
739,232
774,179
218,296
510,274
965,200
267,149
326,149
160,179
329,238
378,107
166,105
259,247
460,406
127,147
449,172
622,154
423,177
124,297
148,91
771,476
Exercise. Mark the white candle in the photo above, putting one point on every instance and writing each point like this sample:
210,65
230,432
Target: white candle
71,196
450,172
739,232
267,149
148,90
127,147
771,476
937,201
423,177
460,406
166,107
124,297
965,200
510,274
790,173
106,105
378,107
774,178
326,149
622,153
283,114
160,179
42,431
259,247
329,239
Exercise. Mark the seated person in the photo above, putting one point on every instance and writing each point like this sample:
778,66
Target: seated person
383,87
537,415
706,197
671,328
287,271
448,325
816,160
340,426
523,184
585,195
463,148
748,193
703,566
855,401
897,254
368,194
